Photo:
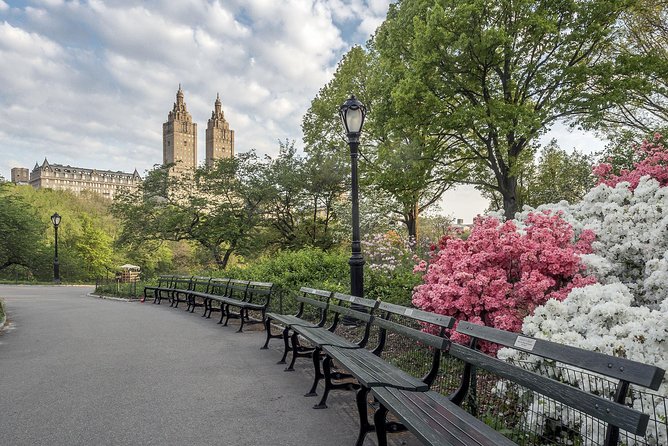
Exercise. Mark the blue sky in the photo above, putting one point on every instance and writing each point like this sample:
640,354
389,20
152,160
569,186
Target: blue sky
89,83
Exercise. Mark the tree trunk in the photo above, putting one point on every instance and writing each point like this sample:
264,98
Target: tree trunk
410,220
509,192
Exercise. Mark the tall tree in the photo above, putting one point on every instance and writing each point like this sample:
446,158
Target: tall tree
555,175
219,208
495,75
22,232
641,70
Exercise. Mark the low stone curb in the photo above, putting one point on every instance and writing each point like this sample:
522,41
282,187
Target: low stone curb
3,321
121,299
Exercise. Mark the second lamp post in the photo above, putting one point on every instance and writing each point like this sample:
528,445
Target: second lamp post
55,219
352,114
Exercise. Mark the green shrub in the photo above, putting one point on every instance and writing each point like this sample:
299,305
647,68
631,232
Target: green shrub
312,267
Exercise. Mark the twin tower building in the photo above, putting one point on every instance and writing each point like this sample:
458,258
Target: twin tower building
179,146
179,137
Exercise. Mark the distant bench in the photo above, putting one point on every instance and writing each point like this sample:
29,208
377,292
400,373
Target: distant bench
434,418
229,294
165,288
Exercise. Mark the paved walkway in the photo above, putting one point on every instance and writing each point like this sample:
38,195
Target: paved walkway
78,370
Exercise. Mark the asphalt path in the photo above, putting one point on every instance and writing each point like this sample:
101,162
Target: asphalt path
79,370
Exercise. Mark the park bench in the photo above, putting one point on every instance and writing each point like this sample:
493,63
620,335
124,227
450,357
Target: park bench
217,287
167,287
318,336
179,286
400,331
164,282
437,419
311,312
256,297
245,295
198,284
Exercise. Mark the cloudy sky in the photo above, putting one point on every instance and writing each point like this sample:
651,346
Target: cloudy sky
89,83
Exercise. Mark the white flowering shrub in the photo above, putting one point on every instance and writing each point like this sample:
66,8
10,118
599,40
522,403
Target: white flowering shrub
626,313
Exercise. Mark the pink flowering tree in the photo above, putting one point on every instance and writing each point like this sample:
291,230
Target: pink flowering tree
500,273
652,160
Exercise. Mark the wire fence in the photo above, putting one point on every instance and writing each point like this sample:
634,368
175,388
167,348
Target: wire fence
117,288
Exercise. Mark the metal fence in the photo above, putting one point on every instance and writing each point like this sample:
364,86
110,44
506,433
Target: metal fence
116,288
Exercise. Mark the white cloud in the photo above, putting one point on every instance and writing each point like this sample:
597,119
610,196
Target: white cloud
90,83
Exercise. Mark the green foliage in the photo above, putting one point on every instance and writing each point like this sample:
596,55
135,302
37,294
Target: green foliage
495,75
85,234
21,231
219,208
300,199
555,176
290,270
639,78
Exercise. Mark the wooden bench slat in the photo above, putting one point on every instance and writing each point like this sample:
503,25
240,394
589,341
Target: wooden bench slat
315,292
437,421
418,336
372,371
290,320
419,315
608,411
620,368
322,337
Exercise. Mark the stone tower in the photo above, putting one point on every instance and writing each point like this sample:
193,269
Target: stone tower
219,137
20,175
179,137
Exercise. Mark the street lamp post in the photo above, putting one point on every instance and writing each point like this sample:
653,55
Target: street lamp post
352,114
55,219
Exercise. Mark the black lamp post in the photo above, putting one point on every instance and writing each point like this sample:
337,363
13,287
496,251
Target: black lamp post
55,219
352,114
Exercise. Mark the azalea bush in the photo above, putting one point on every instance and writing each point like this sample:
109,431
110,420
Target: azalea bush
389,267
624,314
651,160
502,271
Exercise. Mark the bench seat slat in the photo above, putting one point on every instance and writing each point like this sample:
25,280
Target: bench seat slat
371,371
322,337
290,320
437,421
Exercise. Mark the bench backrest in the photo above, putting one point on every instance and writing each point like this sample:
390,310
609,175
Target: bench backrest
165,281
259,293
218,286
419,332
200,283
311,298
612,366
614,413
237,289
426,317
342,312
181,282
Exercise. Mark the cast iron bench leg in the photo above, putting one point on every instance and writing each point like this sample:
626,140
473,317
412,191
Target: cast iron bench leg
295,350
286,345
241,319
365,427
227,313
267,327
318,374
327,367
379,421
222,312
